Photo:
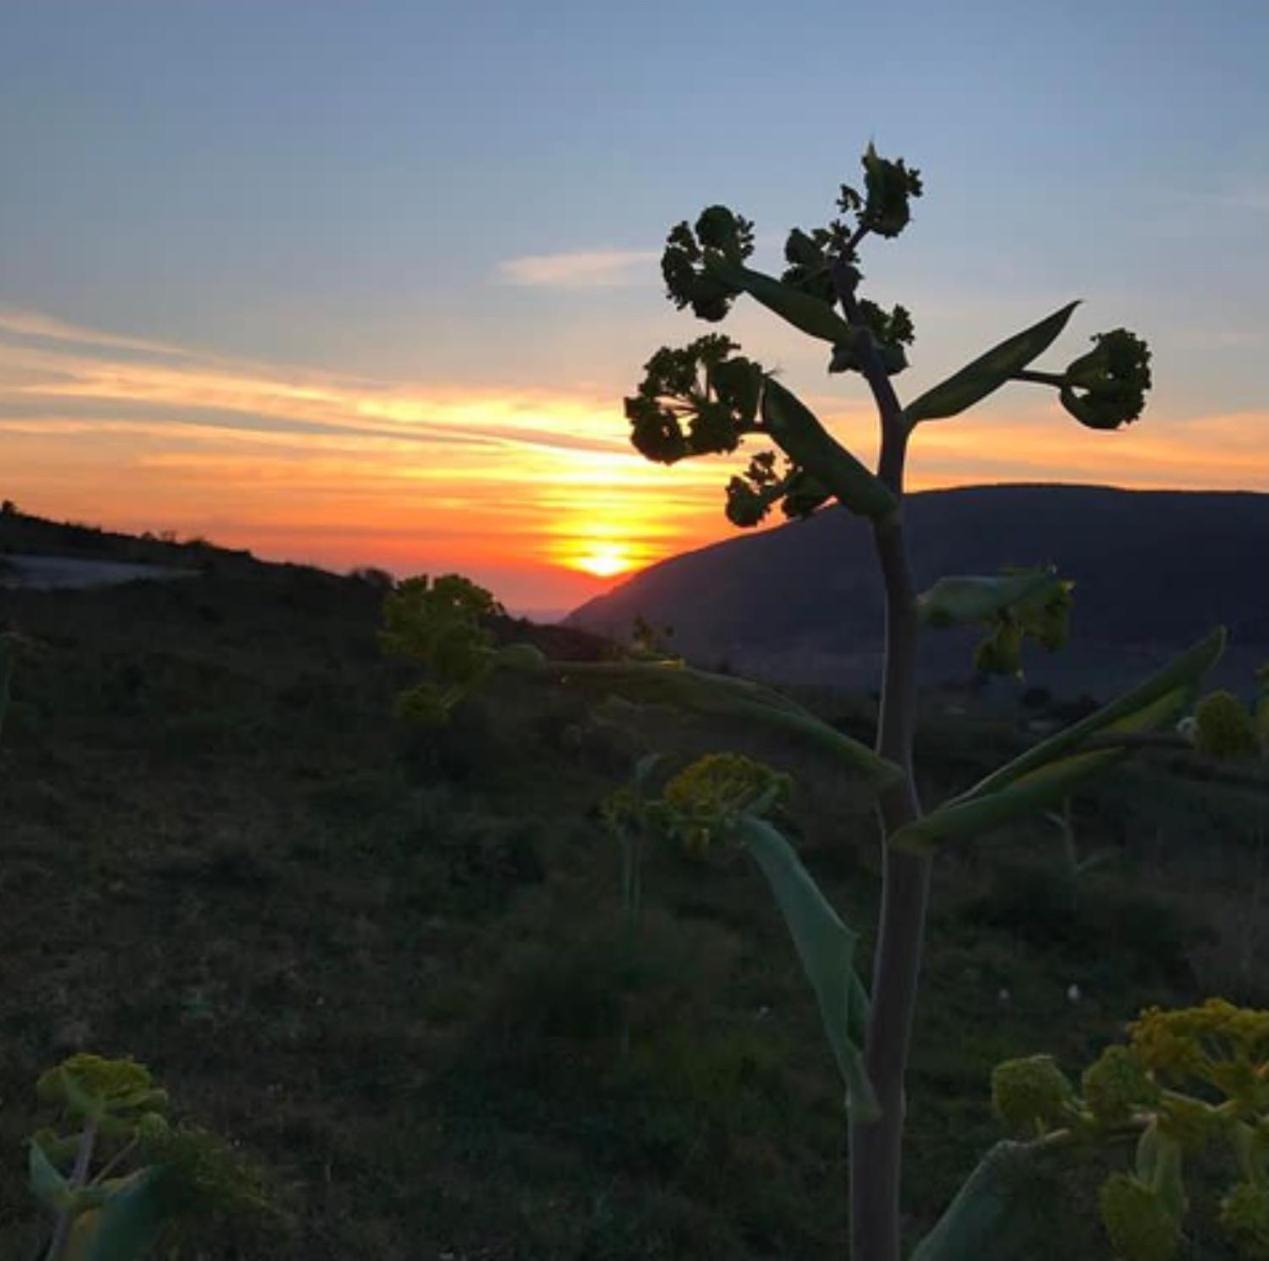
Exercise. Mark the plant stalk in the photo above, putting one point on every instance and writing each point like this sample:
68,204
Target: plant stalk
78,1177
876,1148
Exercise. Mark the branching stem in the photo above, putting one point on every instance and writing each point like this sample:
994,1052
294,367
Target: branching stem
1040,378
876,1148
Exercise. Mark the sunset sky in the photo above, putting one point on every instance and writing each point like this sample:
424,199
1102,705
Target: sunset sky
364,283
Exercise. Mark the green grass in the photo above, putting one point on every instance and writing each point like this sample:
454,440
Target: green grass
390,963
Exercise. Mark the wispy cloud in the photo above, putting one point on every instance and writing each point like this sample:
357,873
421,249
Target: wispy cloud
514,486
35,324
578,269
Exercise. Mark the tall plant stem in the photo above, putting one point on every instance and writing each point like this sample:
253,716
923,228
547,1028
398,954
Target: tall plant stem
876,1147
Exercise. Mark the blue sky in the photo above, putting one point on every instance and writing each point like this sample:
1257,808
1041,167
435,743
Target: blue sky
471,196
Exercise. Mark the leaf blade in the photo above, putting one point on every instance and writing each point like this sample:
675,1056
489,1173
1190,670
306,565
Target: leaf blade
970,598
1046,774
717,695
45,1182
992,1214
799,432
987,373
808,314
826,948
129,1222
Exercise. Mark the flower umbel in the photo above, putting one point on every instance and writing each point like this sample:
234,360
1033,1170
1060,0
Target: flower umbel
720,231
1107,387
696,400
1031,1094
704,800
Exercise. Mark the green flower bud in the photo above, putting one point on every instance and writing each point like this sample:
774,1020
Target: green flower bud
1137,1221
1030,1094
1223,728
746,507
719,229
888,187
717,396
1116,1085
682,263
1245,1219
890,332
750,496
1107,387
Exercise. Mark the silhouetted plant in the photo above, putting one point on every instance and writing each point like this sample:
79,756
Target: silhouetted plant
705,399
117,1176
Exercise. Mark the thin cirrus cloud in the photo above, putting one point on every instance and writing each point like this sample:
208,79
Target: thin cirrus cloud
578,269
524,489
531,492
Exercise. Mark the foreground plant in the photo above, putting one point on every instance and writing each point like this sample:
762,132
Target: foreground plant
117,1177
1187,1080
707,399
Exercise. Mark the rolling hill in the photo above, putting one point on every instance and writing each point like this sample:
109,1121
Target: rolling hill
802,602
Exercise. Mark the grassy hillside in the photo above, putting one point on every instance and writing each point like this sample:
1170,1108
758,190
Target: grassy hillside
389,963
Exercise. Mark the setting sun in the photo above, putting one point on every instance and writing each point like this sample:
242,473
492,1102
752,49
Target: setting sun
605,561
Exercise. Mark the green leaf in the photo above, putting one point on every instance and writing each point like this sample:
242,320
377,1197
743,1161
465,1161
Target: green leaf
1046,774
988,372
961,600
808,444
46,1184
809,314
999,1212
719,695
129,1222
826,948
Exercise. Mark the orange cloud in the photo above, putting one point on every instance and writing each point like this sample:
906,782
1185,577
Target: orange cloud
536,493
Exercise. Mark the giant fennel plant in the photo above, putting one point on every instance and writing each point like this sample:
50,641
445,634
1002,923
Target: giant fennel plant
707,399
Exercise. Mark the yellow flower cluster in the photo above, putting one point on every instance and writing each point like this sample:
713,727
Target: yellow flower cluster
1115,1085
1032,1094
86,1084
1204,1042
705,798
1212,1048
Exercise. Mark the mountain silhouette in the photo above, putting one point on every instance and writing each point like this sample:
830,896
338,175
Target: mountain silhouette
802,603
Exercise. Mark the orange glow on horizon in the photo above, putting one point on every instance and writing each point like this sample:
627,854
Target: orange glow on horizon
535,494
